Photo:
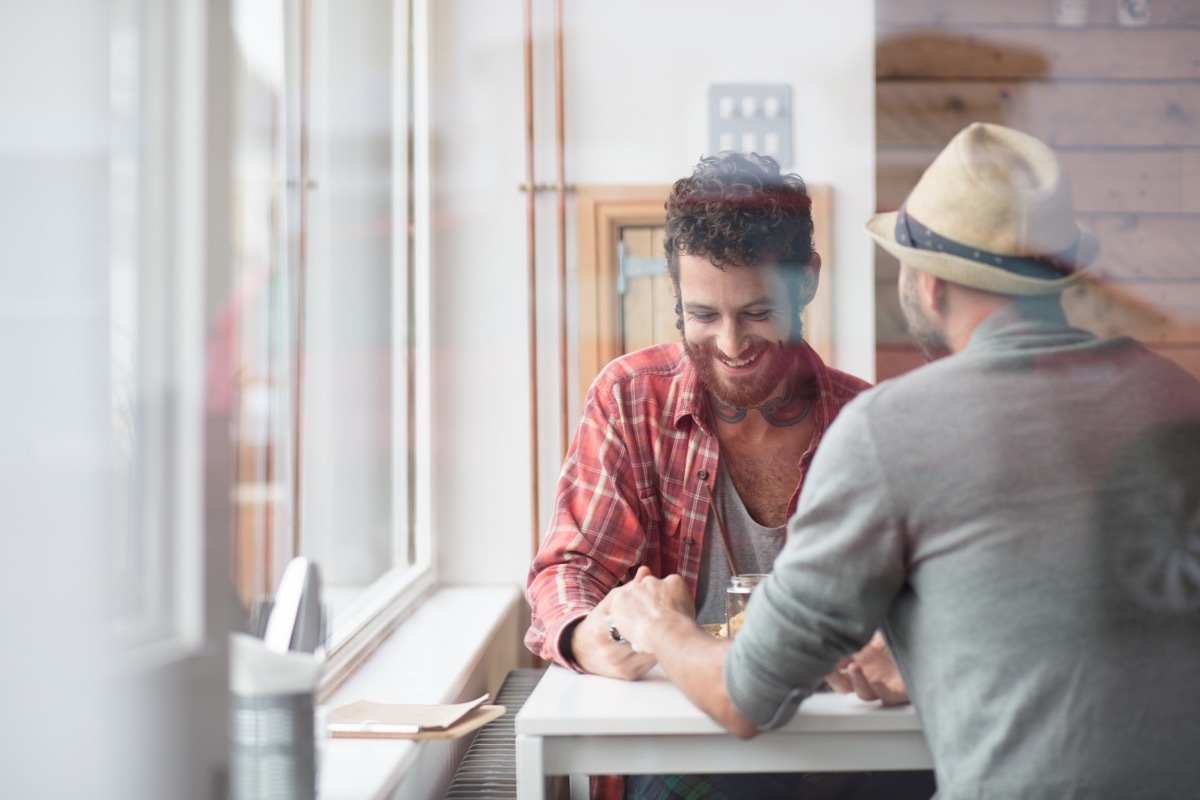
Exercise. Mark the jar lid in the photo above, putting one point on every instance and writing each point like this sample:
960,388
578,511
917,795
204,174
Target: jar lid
746,580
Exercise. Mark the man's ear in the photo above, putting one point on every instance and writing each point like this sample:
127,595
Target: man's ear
932,291
810,278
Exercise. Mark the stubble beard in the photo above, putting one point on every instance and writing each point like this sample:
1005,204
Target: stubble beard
928,338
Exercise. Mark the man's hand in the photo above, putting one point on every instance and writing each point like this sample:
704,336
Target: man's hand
646,600
659,618
871,674
595,651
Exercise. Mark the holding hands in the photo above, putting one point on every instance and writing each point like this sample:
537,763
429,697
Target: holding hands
621,637
657,619
645,602
602,642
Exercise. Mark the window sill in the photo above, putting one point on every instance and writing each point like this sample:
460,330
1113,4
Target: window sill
459,643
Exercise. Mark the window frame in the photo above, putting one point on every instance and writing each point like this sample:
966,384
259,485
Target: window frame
396,594
178,142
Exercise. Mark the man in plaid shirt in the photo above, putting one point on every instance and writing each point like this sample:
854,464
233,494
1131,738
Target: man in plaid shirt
732,415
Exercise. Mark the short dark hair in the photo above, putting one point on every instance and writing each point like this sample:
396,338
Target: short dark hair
739,209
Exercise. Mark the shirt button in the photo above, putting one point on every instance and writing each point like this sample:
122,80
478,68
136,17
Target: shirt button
702,474
688,540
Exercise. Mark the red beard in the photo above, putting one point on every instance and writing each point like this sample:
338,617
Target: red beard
751,390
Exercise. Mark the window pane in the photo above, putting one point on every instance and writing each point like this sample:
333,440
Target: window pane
353,521
322,316
255,326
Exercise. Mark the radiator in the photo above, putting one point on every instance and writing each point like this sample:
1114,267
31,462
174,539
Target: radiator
488,770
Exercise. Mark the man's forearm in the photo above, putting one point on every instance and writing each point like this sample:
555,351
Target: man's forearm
694,661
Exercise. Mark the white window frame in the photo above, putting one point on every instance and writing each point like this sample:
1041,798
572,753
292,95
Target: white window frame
177,134
398,593
174,259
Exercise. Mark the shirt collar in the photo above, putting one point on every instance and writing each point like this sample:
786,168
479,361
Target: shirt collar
1039,321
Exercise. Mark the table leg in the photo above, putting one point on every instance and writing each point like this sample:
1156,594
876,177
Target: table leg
531,775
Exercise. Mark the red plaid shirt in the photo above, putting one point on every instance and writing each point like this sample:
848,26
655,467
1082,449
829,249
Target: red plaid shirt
632,490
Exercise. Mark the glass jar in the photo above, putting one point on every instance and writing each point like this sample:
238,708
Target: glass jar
737,598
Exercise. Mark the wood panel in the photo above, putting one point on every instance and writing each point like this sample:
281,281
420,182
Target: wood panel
1104,182
1166,316
648,302
1030,53
1019,12
894,360
1121,105
602,212
665,318
1139,247
818,315
1158,313
1064,114
637,300
649,312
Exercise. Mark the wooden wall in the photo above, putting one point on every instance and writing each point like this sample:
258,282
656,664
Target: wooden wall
1121,105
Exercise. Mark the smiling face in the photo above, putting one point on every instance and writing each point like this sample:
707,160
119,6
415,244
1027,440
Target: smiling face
736,325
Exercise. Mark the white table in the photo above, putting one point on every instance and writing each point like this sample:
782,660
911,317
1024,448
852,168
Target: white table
583,724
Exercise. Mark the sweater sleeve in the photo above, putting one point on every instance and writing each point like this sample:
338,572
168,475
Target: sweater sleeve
831,587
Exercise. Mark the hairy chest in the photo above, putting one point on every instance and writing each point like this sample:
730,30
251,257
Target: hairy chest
767,473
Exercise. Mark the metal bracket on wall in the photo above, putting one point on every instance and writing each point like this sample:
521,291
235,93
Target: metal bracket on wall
751,117
636,267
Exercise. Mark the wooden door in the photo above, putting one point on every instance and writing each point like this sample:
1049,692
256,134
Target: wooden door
647,296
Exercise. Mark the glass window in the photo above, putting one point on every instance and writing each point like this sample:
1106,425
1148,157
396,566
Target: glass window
156,251
321,325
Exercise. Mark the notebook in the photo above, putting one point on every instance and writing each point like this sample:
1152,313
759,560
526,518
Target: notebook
368,720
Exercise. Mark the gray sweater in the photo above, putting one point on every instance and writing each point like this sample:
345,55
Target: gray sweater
1023,518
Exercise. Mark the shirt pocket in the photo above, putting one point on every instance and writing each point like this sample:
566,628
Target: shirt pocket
650,511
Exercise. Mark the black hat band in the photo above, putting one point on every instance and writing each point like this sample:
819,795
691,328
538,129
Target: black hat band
911,233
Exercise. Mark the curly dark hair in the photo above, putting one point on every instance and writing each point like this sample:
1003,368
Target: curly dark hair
739,209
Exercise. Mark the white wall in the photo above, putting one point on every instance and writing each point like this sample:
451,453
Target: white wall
54,415
637,76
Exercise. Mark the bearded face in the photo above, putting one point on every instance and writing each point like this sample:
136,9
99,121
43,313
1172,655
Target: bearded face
764,364
926,335
737,322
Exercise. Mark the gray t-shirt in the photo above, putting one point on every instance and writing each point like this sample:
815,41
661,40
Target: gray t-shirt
754,549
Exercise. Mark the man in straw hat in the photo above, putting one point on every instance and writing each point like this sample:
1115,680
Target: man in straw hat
1022,515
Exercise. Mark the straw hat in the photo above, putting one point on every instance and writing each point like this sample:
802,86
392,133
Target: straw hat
994,212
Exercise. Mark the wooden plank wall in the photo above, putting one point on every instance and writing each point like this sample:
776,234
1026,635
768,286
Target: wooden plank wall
1122,106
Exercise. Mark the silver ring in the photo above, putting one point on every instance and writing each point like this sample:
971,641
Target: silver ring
614,635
